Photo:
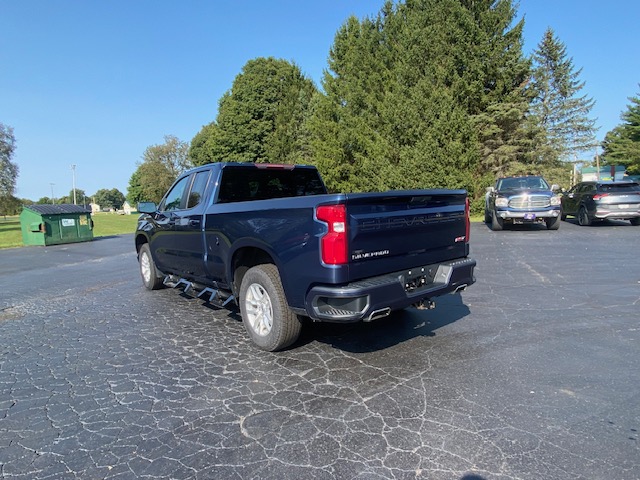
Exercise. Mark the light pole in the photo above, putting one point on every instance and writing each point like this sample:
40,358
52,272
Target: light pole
52,197
73,175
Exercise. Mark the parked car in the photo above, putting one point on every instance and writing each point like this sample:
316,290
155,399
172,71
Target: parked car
589,201
522,200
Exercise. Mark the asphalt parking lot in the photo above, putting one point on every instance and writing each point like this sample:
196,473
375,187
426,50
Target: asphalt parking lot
532,373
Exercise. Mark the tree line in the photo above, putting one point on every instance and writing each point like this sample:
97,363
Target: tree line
424,94
107,198
427,93
11,205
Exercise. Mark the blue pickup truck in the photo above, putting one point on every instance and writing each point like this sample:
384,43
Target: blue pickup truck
270,239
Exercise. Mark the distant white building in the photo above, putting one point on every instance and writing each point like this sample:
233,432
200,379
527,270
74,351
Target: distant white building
95,208
128,209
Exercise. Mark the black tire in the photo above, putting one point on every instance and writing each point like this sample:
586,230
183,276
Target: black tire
635,221
497,223
563,216
553,223
265,313
583,217
151,277
487,216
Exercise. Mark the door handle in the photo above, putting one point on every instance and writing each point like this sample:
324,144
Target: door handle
194,223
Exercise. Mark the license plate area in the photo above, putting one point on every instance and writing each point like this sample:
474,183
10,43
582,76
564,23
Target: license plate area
417,278
529,216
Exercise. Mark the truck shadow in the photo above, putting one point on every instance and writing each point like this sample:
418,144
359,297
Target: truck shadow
380,334
601,223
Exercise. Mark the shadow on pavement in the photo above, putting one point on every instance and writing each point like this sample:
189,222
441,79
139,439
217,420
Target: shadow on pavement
397,328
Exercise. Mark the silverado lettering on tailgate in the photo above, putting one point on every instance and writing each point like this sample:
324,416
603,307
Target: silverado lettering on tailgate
404,222
364,255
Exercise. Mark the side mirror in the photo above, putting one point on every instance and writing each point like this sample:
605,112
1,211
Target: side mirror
147,207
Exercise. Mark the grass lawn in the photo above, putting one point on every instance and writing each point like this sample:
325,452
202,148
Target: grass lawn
105,224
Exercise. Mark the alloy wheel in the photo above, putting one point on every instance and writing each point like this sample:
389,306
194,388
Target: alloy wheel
259,309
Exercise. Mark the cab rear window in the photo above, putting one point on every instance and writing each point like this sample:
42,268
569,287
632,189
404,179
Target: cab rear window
620,188
242,184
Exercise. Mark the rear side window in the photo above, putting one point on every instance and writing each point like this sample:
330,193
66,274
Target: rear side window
586,188
242,184
196,194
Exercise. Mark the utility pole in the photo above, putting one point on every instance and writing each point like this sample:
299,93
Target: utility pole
52,197
73,175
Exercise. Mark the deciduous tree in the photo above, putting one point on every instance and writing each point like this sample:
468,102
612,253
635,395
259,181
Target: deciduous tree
10,205
81,196
204,146
160,166
8,169
106,198
260,118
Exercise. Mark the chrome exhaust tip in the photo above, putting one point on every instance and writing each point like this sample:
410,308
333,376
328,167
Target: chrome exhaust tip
461,288
383,312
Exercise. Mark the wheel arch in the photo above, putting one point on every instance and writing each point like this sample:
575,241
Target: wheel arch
141,239
244,258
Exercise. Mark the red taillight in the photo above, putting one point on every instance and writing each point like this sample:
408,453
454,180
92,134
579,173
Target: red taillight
467,212
333,245
598,196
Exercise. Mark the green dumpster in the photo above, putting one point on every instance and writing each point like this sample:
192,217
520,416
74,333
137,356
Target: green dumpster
55,224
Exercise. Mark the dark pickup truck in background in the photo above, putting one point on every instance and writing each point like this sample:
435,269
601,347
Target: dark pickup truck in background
271,239
522,200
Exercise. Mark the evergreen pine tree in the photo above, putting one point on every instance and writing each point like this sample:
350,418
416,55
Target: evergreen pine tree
345,123
405,91
622,144
557,106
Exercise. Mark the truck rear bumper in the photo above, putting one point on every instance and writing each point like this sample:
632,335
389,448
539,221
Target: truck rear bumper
603,213
378,296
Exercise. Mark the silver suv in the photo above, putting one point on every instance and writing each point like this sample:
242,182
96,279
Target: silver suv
589,201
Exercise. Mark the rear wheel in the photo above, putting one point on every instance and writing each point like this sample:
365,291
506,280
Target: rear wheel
583,217
265,313
635,221
497,223
553,223
151,277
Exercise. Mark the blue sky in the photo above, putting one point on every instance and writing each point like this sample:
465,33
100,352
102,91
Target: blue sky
94,83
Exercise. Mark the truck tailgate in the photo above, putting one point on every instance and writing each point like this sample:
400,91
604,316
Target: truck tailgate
398,230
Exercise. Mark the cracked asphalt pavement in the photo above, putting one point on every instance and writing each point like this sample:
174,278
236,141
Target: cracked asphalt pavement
532,373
